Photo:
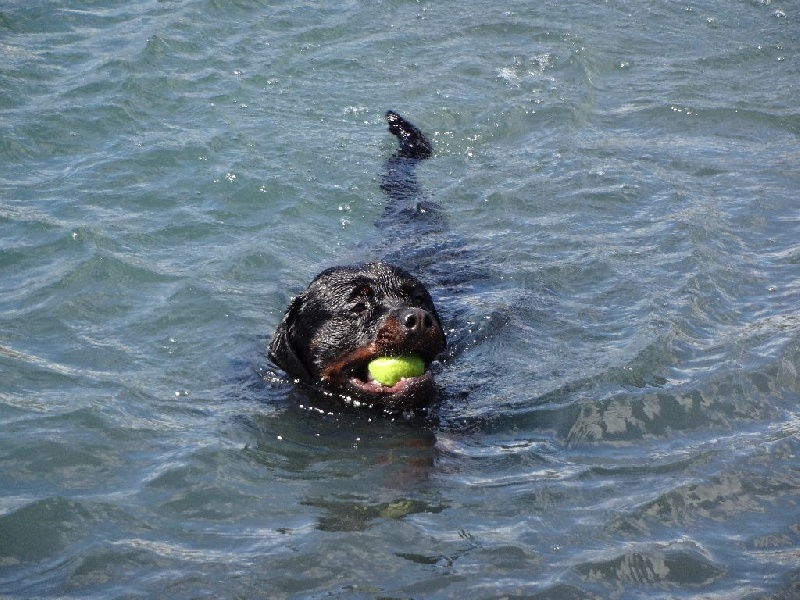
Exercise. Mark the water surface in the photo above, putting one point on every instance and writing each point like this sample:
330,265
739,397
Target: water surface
618,416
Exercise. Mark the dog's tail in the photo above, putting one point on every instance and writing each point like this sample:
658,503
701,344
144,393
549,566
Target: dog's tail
413,143
413,227
399,179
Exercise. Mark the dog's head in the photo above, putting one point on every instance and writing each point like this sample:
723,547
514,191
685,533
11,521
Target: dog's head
349,316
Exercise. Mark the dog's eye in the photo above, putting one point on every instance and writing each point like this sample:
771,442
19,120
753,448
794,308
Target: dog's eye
361,299
420,298
417,296
359,307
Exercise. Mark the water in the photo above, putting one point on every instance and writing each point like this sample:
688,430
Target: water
619,410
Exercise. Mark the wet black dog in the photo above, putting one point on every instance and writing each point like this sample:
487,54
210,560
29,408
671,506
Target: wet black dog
350,315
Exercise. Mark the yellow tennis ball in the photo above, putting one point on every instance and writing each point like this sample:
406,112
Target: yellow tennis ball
388,370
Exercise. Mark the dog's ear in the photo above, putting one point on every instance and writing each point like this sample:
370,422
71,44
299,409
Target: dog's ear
281,351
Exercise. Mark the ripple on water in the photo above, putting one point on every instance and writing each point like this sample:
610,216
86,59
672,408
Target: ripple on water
671,565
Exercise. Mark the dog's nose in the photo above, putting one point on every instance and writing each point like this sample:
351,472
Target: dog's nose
416,320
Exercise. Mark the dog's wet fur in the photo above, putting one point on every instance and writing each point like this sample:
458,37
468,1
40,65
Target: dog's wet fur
349,315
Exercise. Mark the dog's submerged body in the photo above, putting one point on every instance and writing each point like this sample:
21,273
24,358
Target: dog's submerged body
350,315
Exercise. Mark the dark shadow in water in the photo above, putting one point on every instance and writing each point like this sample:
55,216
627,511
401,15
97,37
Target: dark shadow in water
356,466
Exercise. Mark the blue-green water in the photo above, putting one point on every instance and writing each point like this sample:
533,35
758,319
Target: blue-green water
619,415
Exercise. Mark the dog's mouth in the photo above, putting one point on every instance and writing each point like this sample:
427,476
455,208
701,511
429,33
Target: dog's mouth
360,378
352,379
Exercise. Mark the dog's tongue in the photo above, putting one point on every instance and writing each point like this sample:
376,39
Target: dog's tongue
376,387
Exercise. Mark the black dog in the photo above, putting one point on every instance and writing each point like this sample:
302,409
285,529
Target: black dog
350,315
